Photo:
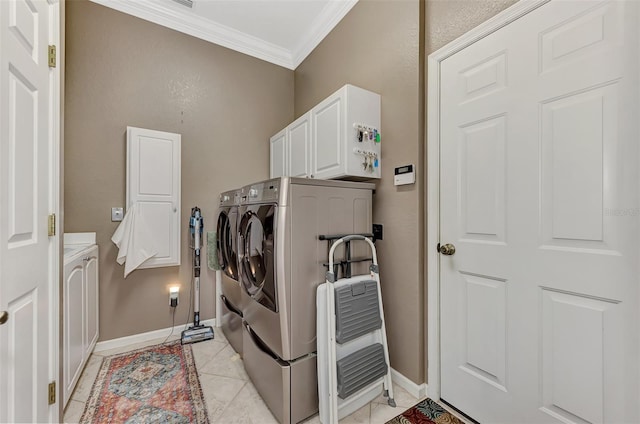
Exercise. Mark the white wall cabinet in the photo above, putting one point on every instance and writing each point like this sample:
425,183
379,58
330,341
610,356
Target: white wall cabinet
299,147
80,303
278,154
153,182
340,137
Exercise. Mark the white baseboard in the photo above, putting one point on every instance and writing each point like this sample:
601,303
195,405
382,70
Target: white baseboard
143,337
418,391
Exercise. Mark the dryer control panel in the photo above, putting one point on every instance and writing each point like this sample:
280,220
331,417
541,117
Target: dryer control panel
266,191
229,198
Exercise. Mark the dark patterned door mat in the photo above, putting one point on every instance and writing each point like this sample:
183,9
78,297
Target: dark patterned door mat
425,412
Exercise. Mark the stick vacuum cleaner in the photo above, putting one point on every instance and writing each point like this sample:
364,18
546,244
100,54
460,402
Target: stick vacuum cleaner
197,332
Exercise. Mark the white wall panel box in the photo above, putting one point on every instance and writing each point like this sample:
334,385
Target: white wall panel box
153,181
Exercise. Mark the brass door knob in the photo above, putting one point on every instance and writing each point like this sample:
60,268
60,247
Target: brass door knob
447,249
4,317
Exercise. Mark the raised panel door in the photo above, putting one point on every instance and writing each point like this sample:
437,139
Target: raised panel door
299,143
327,124
539,195
27,186
91,274
74,325
278,155
153,182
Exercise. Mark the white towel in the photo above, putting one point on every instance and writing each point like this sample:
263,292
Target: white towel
134,239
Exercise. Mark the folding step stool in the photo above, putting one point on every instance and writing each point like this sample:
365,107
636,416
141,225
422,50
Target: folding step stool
353,359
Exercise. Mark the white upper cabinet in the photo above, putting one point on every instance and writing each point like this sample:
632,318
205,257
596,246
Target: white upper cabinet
278,154
299,136
153,181
340,137
328,121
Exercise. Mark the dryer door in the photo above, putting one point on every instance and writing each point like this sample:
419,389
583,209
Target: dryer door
226,241
256,249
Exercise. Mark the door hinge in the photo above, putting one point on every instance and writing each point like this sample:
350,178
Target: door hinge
52,225
52,56
52,393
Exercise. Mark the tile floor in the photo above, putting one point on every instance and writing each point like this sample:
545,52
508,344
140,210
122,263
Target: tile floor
230,396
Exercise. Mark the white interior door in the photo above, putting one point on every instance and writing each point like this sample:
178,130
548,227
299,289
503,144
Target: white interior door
539,195
27,254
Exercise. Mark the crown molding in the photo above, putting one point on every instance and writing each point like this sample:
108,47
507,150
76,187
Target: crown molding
330,16
233,39
202,28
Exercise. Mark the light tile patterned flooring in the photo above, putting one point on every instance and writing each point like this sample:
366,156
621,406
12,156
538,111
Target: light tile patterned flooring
230,396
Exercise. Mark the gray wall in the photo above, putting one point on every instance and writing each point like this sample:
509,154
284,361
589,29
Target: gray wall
377,47
381,45
447,20
123,71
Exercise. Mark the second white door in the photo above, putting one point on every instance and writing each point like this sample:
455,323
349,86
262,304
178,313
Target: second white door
28,255
539,195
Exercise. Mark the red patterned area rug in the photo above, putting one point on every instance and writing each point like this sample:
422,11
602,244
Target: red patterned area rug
157,384
426,412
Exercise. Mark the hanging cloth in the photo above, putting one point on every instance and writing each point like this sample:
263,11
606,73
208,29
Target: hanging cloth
134,240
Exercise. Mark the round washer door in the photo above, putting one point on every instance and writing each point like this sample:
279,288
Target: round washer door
257,253
226,233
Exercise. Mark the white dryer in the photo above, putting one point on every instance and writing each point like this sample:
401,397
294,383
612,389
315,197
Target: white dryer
281,261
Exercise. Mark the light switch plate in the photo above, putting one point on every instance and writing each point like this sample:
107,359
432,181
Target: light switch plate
117,214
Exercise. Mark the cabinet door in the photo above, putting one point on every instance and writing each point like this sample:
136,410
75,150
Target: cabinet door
278,155
91,300
73,344
327,123
299,135
153,181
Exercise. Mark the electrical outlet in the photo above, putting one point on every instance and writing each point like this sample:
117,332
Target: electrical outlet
377,232
173,297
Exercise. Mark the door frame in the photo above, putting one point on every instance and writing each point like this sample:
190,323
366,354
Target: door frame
54,203
55,206
434,61
56,37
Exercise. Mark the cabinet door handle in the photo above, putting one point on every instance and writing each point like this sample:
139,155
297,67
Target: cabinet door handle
86,259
